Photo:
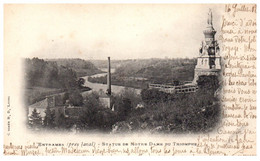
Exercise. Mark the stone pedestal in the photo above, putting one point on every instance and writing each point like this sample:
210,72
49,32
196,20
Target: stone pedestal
207,72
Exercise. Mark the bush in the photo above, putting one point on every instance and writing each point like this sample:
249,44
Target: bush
151,96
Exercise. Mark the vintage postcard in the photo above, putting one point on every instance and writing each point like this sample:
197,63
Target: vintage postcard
130,79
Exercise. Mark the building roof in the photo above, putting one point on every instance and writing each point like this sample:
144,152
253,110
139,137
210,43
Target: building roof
50,101
41,104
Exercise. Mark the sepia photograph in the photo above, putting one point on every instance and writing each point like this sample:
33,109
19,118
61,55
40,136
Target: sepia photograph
123,94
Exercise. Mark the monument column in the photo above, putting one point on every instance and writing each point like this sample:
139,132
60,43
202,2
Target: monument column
208,62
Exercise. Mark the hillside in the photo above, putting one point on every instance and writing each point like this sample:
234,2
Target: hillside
159,70
80,66
139,72
43,78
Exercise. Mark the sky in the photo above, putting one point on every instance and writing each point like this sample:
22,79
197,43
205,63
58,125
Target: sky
89,31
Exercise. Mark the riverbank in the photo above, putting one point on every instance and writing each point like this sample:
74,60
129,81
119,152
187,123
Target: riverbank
98,87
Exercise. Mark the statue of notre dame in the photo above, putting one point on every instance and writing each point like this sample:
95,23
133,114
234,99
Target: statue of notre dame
210,17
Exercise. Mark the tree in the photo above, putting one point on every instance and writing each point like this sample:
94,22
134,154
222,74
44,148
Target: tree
131,95
61,121
75,98
49,119
104,119
123,107
92,101
87,118
81,82
35,120
208,83
67,78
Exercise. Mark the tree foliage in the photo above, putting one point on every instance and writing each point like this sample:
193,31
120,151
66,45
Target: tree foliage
35,119
75,98
61,121
49,119
80,66
177,113
95,116
158,70
81,82
151,96
48,74
208,84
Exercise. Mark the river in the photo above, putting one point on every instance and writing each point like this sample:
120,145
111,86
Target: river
103,87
